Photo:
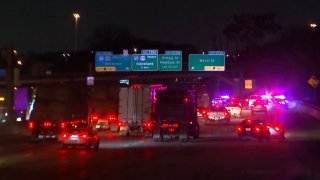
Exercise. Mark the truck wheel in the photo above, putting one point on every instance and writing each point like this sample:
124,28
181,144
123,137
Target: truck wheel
34,138
196,134
161,138
97,145
183,138
155,139
88,146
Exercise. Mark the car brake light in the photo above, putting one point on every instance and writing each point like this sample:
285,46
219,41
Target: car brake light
47,124
239,129
64,135
171,130
165,125
277,128
84,136
249,120
63,125
175,125
257,129
185,100
31,125
121,124
147,124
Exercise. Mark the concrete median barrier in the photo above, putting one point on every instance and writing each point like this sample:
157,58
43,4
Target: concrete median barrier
310,109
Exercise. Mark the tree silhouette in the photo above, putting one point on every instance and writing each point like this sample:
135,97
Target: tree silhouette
111,37
249,28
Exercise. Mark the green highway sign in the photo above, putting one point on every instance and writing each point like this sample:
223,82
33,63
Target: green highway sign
144,62
108,62
149,51
207,62
170,62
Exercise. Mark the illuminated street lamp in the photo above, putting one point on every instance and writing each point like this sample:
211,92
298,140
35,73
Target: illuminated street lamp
19,62
135,50
76,17
313,25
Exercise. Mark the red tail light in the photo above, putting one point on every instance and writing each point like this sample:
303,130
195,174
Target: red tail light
31,125
277,128
257,129
63,125
47,124
147,124
249,120
65,135
239,129
171,130
165,125
185,100
120,123
175,125
84,136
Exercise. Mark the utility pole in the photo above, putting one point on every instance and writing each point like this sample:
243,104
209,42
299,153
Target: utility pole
10,88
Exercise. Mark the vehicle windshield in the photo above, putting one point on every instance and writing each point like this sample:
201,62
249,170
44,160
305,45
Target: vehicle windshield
77,126
219,108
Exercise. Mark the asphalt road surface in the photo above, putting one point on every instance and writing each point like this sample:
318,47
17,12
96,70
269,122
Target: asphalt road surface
217,154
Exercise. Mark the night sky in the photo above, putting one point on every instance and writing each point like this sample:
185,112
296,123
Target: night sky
48,25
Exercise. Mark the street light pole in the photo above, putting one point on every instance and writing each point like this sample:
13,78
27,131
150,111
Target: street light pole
76,17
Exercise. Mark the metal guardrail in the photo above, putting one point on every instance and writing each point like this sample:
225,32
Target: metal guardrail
310,109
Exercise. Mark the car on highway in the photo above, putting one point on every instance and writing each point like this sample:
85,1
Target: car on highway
253,129
45,130
277,131
102,125
147,128
202,112
259,106
281,104
80,133
218,114
260,129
